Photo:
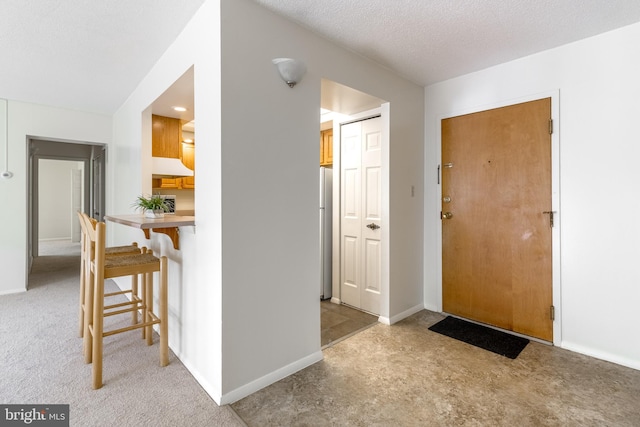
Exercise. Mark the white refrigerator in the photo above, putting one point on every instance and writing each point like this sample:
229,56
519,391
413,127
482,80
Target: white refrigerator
326,199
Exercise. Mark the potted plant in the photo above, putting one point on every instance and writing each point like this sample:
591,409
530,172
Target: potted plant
153,206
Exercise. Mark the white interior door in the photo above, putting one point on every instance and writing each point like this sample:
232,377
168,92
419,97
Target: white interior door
361,214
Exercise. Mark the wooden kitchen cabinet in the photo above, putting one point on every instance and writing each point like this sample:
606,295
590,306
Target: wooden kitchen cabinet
326,147
173,183
166,140
166,137
189,160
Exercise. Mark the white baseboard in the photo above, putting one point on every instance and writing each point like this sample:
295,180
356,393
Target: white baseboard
260,383
432,307
212,391
393,319
602,355
398,317
384,320
13,291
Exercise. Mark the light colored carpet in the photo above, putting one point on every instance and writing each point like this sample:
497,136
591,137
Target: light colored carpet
41,360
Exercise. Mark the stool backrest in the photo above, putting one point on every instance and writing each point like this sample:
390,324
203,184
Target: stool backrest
95,233
89,228
85,243
83,229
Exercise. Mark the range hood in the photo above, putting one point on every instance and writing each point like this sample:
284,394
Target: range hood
163,167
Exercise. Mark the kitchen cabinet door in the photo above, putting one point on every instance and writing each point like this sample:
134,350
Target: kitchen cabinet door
326,147
174,183
188,159
166,136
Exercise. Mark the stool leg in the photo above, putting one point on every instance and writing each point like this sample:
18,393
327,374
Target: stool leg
98,316
143,288
88,316
83,275
164,314
149,305
134,296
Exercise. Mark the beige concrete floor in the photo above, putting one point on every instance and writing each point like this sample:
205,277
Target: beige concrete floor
406,375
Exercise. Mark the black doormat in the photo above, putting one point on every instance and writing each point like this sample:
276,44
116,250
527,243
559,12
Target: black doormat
481,336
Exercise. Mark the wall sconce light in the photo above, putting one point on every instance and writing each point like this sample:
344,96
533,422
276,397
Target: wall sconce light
291,70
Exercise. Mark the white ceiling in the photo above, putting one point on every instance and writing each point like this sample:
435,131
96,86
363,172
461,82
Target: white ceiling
84,54
179,94
90,54
428,41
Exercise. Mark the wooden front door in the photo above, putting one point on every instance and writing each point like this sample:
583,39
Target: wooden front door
496,236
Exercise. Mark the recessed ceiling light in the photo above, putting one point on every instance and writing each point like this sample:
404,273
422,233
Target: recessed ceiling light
179,109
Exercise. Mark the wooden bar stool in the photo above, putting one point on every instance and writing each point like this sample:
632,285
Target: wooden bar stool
102,268
84,220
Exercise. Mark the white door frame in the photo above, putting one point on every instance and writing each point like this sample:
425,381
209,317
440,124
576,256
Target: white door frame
54,149
555,195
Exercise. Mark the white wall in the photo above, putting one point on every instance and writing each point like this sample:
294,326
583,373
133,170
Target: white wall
40,121
598,86
194,270
269,165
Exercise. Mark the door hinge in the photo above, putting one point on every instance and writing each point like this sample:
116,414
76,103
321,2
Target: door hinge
551,217
550,126
552,312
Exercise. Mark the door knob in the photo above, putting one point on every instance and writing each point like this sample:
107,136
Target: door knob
446,215
373,226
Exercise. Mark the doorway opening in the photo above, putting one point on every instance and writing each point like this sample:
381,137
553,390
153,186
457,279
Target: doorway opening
342,105
63,177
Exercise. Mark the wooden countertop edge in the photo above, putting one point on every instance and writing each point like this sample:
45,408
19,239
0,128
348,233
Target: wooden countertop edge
142,222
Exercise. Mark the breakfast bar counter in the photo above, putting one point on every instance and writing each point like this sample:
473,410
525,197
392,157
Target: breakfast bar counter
167,225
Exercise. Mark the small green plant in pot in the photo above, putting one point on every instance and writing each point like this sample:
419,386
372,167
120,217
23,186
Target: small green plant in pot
153,206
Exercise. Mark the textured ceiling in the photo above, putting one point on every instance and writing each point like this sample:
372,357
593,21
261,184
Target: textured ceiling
90,54
428,41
